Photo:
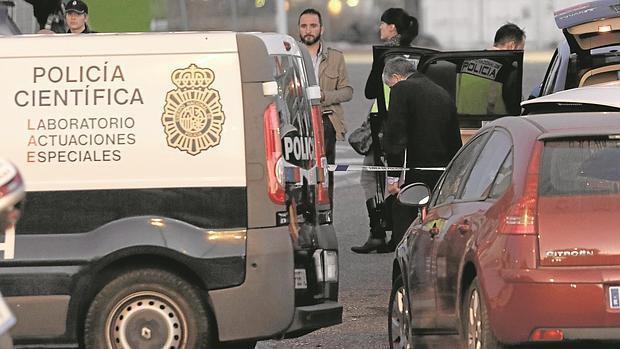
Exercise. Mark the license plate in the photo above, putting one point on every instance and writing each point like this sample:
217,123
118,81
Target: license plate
614,297
300,279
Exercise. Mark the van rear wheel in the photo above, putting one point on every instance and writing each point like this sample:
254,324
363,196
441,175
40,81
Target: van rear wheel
147,308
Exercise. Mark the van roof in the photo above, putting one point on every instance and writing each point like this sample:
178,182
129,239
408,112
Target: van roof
279,44
155,43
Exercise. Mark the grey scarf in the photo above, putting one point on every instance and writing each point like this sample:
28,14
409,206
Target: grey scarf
394,41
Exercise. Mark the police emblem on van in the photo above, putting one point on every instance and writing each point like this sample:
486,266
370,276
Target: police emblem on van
193,115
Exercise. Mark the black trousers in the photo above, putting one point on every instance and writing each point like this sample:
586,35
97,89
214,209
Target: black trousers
403,216
330,153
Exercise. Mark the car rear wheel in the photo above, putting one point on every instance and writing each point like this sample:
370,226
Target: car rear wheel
478,333
399,321
147,308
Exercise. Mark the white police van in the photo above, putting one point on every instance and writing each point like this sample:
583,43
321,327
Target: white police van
176,193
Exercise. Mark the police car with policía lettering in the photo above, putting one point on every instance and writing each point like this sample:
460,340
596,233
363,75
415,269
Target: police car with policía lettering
177,194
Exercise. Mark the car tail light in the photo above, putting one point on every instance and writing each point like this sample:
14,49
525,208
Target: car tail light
317,122
273,152
540,335
521,217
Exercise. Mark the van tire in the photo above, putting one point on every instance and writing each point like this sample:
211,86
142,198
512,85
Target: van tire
157,306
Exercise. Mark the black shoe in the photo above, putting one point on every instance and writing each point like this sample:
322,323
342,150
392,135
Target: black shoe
370,245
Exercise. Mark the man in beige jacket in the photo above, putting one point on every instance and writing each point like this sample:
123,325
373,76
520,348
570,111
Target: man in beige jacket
331,72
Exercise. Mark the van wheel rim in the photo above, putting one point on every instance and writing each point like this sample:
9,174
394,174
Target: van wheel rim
400,321
146,319
474,323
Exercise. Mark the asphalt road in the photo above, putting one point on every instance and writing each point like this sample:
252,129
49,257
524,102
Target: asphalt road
365,280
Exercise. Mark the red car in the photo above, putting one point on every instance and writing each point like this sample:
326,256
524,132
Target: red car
520,240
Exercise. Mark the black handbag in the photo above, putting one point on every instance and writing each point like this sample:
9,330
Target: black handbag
361,138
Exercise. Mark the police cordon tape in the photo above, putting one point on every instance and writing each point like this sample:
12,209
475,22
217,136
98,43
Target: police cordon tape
346,168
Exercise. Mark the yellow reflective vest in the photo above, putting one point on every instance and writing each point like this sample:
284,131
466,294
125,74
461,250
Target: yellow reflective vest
477,90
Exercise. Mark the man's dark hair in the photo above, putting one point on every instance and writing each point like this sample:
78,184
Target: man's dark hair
310,11
406,25
508,32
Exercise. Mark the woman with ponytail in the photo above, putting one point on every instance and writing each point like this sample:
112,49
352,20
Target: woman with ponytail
397,29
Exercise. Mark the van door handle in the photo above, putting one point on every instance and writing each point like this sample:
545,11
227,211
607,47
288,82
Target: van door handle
464,227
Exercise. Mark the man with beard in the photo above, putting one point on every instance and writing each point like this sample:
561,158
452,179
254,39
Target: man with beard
331,73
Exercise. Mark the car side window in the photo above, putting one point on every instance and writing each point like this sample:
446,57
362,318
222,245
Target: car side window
503,178
552,74
483,173
453,178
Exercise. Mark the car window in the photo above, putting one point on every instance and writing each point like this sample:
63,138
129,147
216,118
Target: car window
294,108
484,171
580,167
484,86
449,188
503,178
552,74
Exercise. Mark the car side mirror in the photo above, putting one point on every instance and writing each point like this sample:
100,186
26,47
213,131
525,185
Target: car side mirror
415,195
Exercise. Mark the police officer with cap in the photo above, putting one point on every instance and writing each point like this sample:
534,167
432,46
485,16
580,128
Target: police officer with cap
76,17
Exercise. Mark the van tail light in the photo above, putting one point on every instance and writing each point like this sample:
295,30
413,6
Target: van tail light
521,218
542,335
273,152
321,160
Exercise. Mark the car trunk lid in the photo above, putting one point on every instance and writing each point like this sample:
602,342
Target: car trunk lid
590,25
579,197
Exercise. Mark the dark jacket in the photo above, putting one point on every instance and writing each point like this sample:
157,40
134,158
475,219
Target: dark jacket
85,31
421,118
373,82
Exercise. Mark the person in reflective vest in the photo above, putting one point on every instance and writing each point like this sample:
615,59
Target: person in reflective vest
487,86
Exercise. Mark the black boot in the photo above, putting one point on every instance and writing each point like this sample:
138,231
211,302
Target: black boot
376,240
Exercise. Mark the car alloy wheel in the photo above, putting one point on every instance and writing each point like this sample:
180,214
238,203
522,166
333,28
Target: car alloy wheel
478,332
474,322
400,323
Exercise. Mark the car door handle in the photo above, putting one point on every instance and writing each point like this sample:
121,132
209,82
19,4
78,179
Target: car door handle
434,231
464,228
